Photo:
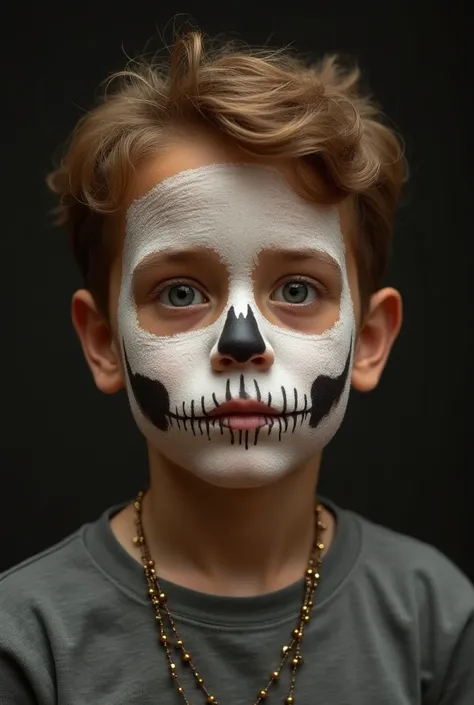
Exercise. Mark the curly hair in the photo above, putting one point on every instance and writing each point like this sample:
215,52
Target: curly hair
270,104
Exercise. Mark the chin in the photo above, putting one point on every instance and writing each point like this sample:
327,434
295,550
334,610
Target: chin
240,469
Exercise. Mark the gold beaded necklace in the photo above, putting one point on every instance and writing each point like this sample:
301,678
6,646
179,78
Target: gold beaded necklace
174,648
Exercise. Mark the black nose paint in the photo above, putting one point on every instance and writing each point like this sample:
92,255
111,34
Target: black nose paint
240,338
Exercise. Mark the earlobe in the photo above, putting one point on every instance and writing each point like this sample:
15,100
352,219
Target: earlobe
97,342
376,337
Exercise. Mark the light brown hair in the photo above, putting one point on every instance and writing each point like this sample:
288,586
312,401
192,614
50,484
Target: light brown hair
271,104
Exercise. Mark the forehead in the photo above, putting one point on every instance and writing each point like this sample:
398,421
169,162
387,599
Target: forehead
237,211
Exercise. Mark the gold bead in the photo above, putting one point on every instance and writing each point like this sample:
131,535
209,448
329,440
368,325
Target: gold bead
151,591
179,644
321,546
172,667
275,675
290,700
198,678
180,690
285,650
317,576
163,639
186,657
262,694
211,700
297,661
162,597
151,564
305,609
136,505
306,618
310,572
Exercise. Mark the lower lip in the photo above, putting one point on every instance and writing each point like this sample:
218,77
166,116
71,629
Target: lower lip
243,423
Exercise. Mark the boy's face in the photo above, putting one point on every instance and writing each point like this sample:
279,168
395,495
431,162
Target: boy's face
234,308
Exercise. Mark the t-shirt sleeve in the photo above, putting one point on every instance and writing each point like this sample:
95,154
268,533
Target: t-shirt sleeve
458,688
14,686
25,658
448,598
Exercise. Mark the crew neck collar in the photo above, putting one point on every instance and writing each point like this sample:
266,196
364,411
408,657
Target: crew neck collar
127,574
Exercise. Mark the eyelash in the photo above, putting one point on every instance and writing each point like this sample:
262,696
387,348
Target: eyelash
321,290
177,282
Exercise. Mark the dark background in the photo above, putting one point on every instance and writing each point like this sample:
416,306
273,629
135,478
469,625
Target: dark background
403,457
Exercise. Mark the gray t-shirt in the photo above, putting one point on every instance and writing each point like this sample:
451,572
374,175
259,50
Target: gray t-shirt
393,624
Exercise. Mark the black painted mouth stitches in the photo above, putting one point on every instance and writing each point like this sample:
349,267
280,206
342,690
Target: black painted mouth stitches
198,416
153,400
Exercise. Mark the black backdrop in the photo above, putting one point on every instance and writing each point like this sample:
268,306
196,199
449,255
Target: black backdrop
403,457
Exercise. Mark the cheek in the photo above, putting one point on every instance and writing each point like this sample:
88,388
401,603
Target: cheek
312,319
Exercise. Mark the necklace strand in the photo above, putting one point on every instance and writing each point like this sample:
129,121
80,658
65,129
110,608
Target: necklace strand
173,645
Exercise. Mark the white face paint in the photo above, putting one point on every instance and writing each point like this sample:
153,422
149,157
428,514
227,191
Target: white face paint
237,211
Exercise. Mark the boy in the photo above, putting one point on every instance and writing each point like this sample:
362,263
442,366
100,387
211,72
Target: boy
231,218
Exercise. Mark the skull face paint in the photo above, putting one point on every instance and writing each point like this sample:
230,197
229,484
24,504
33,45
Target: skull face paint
177,398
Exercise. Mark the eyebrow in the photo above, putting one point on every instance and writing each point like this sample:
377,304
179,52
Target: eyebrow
308,254
167,257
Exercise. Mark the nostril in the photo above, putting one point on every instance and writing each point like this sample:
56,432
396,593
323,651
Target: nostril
226,362
259,361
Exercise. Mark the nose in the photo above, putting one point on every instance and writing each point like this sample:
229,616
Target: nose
241,344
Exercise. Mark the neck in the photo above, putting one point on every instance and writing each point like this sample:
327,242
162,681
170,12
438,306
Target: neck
227,541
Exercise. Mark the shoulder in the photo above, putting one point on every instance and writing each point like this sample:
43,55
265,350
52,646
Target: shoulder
416,580
407,559
33,592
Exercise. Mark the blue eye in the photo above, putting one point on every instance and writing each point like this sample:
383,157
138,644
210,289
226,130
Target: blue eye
180,296
295,292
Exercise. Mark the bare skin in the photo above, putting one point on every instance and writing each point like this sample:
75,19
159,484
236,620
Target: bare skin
214,540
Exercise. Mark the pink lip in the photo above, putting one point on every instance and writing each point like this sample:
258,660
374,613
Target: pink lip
243,414
242,407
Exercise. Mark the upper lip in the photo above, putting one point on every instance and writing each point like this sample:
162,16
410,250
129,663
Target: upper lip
242,407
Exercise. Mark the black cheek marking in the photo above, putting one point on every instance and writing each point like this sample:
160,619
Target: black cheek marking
269,402
232,439
270,426
228,395
185,417
206,421
279,428
151,396
240,437
257,390
203,408
296,399
246,440
214,399
241,338
177,418
200,427
295,420
326,392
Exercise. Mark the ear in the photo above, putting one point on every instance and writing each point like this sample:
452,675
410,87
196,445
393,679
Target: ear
378,333
97,342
